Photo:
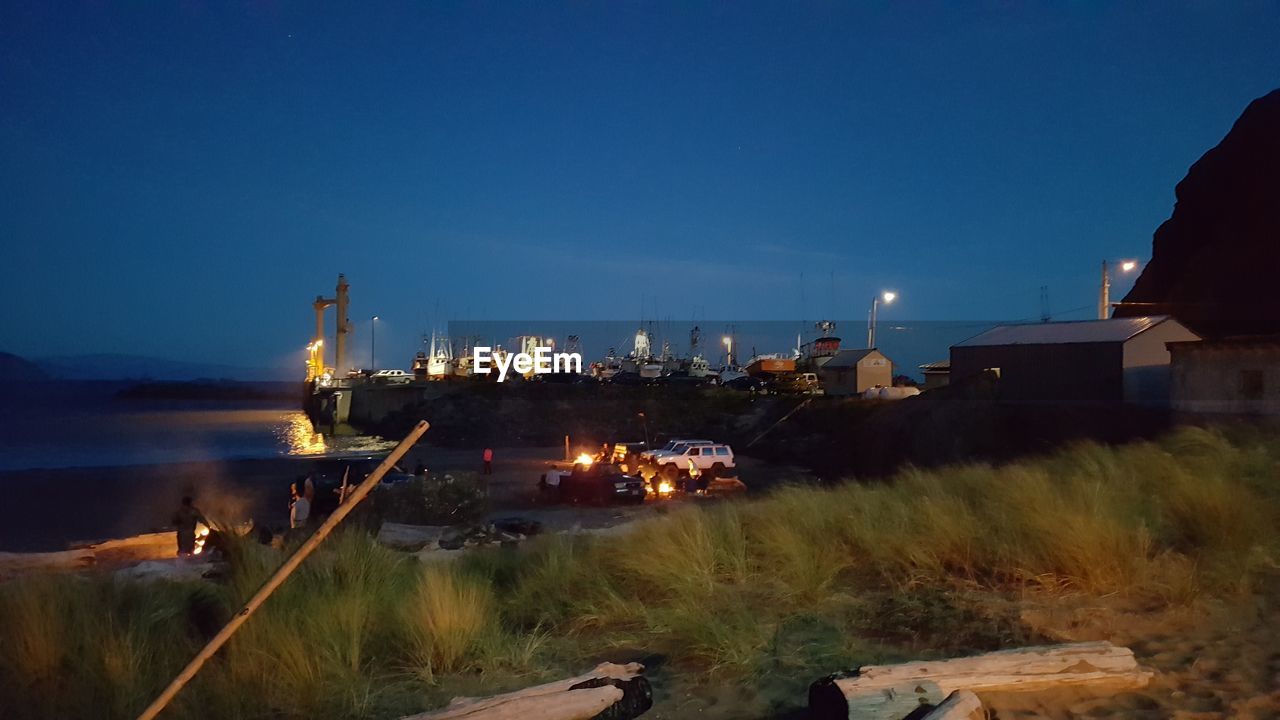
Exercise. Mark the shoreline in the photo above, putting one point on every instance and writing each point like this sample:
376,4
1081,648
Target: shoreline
52,509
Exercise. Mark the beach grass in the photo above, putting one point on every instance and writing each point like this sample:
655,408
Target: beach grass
792,585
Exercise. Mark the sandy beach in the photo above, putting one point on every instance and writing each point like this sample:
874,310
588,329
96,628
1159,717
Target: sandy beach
47,510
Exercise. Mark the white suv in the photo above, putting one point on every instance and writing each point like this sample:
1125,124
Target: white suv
677,445
711,460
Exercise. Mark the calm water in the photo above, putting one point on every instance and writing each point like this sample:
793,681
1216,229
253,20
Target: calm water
83,425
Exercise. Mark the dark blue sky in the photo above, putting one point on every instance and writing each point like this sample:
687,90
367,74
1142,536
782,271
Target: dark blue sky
180,179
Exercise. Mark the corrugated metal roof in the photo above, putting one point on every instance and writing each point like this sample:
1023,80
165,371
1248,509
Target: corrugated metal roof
938,365
1061,333
847,358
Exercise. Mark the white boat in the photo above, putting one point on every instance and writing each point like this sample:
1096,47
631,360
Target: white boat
700,368
730,372
439,359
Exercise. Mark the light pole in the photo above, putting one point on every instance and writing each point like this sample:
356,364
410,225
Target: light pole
1104,292
728,343
373,343
887,297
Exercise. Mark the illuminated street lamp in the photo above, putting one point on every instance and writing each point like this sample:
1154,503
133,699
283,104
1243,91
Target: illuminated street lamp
1104,292
728,343
373,343
886,297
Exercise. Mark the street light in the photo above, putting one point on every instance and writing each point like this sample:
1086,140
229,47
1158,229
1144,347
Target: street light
886,297
1104,292
373,343
728,343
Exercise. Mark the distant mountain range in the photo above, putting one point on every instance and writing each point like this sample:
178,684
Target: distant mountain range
105,366
13,367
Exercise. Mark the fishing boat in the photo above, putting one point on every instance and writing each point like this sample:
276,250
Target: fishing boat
439,359
771,364
606,367
730,372
699,367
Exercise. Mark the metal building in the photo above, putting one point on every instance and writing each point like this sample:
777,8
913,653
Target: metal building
1239,376
936,374
850,372
1092,362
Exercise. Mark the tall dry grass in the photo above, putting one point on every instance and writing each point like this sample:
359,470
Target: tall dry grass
789,585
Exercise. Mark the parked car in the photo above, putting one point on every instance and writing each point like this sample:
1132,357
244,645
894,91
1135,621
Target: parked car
748,384
391,377
596,483
799,384
676,445
710,461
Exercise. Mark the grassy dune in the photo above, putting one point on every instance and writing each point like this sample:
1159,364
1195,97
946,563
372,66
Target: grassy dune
788,586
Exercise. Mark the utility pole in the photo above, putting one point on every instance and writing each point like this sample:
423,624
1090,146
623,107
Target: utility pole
1044,304
1104,294
871,319
373,343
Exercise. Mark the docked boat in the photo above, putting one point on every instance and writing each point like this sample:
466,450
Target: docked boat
730,372
771,365
700,368
607,367
439,359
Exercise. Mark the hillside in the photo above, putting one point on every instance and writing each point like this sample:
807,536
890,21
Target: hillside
108,366
1214,259
13,367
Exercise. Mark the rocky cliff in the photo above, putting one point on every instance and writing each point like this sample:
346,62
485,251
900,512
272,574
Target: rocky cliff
1214,261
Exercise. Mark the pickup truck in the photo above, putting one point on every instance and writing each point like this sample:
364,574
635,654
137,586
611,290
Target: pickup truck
596,483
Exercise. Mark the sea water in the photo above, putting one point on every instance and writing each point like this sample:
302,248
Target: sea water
85,424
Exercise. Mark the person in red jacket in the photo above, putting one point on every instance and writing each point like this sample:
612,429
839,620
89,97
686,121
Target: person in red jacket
488,461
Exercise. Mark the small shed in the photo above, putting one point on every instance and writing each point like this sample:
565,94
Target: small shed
1238,376
850,372
936,374
1092,362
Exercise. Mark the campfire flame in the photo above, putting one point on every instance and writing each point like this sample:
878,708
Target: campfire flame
202,534
584,459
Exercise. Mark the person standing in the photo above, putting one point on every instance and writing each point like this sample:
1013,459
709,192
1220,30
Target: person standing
299,506
488,461
185,520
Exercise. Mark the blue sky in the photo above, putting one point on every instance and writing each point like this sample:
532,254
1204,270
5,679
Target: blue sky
181,179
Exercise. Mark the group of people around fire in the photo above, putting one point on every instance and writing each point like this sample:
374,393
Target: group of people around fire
302,499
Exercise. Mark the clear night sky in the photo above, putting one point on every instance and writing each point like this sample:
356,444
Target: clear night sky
180,179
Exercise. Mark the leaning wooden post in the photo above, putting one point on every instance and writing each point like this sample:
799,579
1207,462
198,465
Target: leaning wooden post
282,573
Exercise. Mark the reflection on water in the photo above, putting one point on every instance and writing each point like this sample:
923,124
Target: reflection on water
299,437
103,432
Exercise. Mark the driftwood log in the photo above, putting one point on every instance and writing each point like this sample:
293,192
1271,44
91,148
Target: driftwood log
959,705
609,692
17,563
1022,670
889,703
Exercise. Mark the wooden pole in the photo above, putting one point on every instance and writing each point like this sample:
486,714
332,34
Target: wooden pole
282,574
781,420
